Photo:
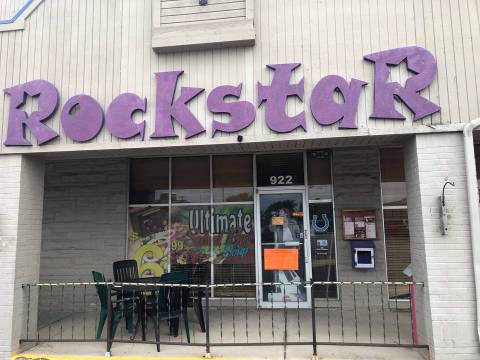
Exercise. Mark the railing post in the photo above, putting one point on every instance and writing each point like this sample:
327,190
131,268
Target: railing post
109,320
208,354
314,323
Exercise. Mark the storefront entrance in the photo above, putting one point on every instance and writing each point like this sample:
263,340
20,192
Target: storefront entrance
282,244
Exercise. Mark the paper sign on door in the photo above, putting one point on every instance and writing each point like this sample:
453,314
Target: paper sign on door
280,259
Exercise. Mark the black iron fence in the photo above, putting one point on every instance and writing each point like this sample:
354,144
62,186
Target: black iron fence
354,313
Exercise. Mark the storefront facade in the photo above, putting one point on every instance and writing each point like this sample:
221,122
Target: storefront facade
277,141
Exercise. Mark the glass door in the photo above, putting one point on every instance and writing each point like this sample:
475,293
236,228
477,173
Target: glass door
282,248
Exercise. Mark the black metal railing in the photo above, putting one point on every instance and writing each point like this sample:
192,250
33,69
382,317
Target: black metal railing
358,313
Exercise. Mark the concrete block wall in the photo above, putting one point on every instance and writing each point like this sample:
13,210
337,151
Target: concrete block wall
21,196
446,307
356,181
85,218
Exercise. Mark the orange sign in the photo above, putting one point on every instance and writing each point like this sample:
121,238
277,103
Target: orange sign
280,259
278,220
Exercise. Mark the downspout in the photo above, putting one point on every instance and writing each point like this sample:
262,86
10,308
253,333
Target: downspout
473,205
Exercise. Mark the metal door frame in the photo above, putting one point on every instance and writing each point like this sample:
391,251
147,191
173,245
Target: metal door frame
306,245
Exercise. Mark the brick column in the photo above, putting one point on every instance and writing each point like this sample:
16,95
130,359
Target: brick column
21,199
446,307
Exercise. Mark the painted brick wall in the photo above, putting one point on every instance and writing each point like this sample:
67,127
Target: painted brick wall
444,262
21,196
85,217
10,169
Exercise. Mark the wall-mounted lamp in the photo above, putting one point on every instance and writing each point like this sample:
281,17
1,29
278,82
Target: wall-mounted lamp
203,2
444,211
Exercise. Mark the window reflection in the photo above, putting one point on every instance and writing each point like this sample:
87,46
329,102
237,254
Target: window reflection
149,181
191,179
232,178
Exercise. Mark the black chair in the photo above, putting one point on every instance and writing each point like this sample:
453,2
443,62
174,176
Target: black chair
200,275
126,271
164,303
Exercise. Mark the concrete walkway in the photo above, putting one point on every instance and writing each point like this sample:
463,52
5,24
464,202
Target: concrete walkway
61,351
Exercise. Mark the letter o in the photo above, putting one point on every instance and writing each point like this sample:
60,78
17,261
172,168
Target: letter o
86,123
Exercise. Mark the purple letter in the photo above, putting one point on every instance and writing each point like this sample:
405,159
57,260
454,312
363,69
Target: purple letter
82,118
242,112
119,116
276,97
326,110
422,63
167,108
18,119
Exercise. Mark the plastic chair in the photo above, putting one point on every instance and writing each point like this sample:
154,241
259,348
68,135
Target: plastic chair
125,270
167,303
180,277
119,306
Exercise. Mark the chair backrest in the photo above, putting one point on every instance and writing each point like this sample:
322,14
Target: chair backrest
102,289
177,296
180,277
125,270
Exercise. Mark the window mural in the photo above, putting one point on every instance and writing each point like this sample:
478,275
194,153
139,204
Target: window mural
148,236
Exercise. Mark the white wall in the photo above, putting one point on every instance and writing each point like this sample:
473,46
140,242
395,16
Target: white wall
446,307
103,48
21,196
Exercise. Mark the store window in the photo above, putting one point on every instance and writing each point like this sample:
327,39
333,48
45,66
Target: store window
191,179
233,251
395,217
148,238
322,229
184,228
149,181
394,190
232,178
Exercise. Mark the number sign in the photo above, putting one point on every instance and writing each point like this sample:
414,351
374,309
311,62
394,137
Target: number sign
280,169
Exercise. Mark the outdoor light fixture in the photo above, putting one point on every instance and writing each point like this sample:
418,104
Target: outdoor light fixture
203,2
444,209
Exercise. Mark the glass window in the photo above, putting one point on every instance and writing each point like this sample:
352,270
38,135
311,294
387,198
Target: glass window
190,240
280,169
319,175
234,248
232,178
322,239
191,179
149,181
148,239
394,190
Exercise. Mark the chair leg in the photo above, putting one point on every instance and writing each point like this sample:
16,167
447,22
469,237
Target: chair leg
101,323
185,322
157,332
197,305
143,320
174,326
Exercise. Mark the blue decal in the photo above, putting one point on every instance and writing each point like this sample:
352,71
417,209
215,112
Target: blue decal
320,229
17,14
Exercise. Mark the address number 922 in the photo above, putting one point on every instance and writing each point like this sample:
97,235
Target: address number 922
281,180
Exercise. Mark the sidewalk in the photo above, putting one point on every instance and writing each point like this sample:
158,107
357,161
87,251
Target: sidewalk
96,351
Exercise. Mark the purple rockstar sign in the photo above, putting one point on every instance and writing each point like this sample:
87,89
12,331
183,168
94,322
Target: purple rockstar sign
82,117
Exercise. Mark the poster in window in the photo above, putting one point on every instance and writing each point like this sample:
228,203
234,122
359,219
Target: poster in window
359,224
233,234
224,236
148,239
